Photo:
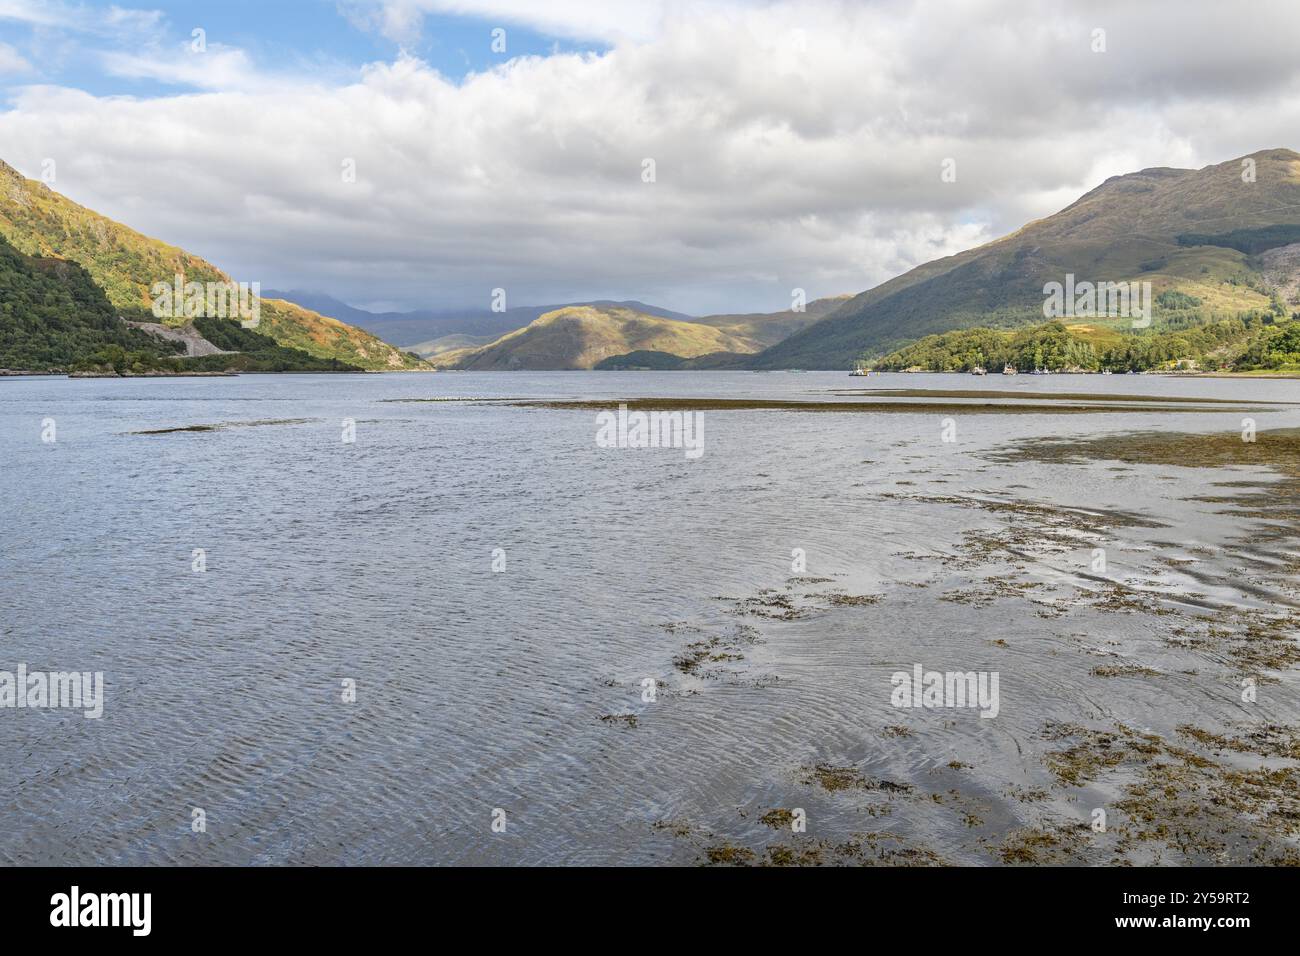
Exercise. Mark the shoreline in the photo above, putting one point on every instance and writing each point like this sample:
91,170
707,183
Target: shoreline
1103,404
1261,373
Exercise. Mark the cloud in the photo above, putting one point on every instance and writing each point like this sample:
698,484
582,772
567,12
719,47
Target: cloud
81,17
796,144
11,61
610,20
216,68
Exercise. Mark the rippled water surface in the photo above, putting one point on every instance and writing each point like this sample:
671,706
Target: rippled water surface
522,689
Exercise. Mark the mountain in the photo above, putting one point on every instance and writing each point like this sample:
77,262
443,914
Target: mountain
1214,234
450,343
1253,344
769,328
413,329
648,360
39,222
620,335
579,336
52,314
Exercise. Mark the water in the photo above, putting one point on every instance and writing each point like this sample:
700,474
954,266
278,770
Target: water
481,690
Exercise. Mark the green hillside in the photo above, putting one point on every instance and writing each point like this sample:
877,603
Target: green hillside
1257,342
1203,233
52,314
53,317
579,337
40,222
764,329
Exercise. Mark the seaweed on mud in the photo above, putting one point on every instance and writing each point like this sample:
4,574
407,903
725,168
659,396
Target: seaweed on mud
906,407
870,849
1050,396
1180,801
222,426
727,855
1123,670
627,720
771,604
1098,751
853,600
1118,597
1055,842
1027,794
833,779
1278,449
694,659
1203,795
1255,641
992,588
1269,740
778,819
695,655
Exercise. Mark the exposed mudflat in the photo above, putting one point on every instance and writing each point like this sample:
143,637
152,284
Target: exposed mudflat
909,407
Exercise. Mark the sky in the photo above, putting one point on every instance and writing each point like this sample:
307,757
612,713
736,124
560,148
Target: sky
705,156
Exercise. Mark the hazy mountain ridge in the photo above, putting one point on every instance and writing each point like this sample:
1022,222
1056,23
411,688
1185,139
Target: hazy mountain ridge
1174,228
124,263
417,328
450,343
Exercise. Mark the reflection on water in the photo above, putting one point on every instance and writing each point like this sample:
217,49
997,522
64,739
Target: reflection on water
762,595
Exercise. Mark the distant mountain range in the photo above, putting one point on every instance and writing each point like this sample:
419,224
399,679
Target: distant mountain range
1218,244
416,329
569,336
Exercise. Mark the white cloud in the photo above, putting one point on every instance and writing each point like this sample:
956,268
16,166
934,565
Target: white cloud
11,61
610,20
81,17
216,68
796,144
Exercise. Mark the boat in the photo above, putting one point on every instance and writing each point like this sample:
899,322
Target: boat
860,370
978,370
1008,370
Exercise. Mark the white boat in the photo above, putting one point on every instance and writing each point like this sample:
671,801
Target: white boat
1008,370
978,370
860,370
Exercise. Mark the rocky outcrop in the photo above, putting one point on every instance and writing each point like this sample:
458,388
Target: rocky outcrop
195,344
